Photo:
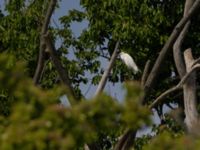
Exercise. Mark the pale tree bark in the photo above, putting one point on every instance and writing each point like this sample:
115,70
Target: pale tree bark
189,88
168,45
190,98
106,73
178,56
153,76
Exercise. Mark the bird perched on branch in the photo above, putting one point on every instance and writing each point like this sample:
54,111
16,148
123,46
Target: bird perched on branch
129,62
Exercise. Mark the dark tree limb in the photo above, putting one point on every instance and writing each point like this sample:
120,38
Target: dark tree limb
145,72
168,45
61,71
41,58
104,78
126,141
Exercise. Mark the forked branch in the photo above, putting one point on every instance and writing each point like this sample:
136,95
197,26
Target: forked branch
149,84
168,45
173,89
177,53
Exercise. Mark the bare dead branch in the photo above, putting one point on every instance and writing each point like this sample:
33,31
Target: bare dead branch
125,141
190,95
41,58
104,78
178,57
156,68
168,45
61,71
196,62
163,95
102,83
179,86
145,72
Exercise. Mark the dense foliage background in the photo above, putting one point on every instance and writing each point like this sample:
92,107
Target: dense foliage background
31,116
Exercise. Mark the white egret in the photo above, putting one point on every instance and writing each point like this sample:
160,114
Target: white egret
129,62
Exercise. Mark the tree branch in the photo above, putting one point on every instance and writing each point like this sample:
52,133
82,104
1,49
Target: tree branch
163,95
104,78
125,141
145,72
196,62
190,95
41,58
178,57
156,68
101,86
177,87
61,71
168,45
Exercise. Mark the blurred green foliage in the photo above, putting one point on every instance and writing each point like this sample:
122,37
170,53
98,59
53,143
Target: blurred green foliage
31,117
37,121
166,141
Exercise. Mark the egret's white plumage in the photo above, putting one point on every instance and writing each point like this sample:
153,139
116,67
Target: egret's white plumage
128,60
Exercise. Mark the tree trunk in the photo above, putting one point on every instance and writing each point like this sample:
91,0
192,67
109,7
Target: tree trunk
189,89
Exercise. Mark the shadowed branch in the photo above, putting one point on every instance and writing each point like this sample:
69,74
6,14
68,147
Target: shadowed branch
41,58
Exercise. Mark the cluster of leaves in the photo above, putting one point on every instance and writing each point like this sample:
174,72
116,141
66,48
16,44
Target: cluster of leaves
36,115
166,141
20,31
